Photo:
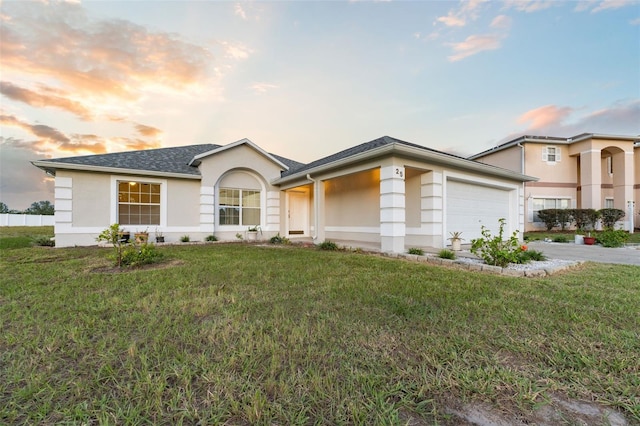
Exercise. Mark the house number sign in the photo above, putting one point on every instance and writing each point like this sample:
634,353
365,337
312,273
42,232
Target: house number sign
399,172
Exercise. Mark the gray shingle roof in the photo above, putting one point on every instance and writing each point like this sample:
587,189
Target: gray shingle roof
162,160
358,149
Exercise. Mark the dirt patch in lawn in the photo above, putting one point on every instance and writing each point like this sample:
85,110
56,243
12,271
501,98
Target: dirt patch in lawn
110,269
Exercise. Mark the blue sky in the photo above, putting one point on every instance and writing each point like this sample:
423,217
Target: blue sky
306,79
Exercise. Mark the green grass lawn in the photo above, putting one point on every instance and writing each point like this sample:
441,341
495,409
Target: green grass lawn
245,334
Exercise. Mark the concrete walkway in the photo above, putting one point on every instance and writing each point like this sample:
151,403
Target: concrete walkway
571,251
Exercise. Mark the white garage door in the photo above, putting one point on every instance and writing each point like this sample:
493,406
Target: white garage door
469,206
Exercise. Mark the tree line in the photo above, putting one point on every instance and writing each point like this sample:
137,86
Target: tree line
38,207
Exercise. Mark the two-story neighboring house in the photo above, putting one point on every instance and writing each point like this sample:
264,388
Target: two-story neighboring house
585,171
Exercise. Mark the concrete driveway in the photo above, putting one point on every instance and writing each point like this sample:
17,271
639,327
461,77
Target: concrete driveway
571,251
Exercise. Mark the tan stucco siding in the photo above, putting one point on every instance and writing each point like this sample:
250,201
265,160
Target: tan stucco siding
562,171
353,200
510,158
90,198
413,199
183,202
241,158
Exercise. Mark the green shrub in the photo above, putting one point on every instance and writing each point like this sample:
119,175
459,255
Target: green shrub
560,239
415,250
525,256
610,217
495,250
585,218
143,254
44,241
328,245
564,217
211,238
612,238
185,238
278,239
549,217
446,254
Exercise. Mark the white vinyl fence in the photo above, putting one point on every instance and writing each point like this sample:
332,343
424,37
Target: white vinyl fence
10,219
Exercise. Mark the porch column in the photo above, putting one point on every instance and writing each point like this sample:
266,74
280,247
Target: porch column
392,208
623,184
431,207
591,179
318,211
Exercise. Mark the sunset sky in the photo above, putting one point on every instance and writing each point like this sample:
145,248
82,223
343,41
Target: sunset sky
305,79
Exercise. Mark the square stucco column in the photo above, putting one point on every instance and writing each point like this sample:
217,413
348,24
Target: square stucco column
431,209
318,212
207,209
623,173
392,209
273,211
591,179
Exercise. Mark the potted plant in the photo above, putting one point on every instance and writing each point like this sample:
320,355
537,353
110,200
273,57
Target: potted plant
159,236
252,233
589,240
124,236
142,237
578,238
456,240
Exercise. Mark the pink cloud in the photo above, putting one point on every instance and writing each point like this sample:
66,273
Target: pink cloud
474,44
545,116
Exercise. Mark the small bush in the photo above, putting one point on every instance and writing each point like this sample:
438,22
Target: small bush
185,238
495,250
560,239
610,217
446,254
526,256
278,239
211,238
585,218
415,250
44,241
328,245
549,217
144,254
612,238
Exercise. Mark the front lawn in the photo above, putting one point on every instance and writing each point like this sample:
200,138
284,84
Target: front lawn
246,334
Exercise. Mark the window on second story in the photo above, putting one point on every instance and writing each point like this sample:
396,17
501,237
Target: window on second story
551,154
610,165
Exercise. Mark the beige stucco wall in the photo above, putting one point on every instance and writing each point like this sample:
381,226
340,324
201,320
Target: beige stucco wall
183,202
91,198
563,171
509,158
242,157
353,200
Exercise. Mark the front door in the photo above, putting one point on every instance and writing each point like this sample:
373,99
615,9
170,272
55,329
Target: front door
298,213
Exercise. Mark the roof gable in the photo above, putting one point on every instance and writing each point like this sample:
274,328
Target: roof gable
195,161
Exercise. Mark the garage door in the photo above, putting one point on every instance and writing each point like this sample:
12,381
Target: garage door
469,206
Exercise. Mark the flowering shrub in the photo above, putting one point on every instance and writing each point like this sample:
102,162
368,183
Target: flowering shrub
495,250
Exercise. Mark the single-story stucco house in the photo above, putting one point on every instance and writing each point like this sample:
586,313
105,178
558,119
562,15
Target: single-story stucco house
387,193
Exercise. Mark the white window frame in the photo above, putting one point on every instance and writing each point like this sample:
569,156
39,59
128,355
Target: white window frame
610,165
532,211
113,200
608,200
551,151
240,208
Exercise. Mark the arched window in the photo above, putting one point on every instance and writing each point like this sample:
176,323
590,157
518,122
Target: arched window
239,200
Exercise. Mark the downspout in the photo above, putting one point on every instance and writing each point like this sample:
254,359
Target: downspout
315,206
524,189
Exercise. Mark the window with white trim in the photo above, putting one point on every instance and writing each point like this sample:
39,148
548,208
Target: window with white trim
138,203
239,207
548,203
551,154
610,165
608,203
